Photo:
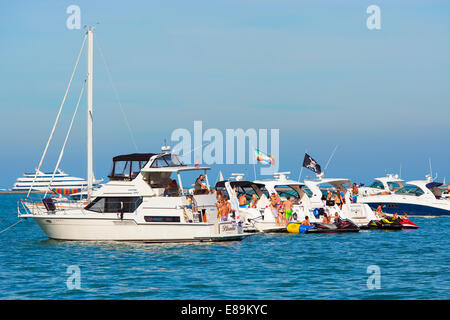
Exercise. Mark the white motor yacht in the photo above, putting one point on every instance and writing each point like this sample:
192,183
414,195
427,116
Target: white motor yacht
382,185
310,201
416,198
257,218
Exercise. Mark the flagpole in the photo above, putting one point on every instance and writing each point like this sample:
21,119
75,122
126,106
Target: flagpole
332,154
301,169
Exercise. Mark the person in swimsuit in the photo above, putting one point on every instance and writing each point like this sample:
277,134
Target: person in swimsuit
326,219
404,216
274,209
354,192
254,201
338,199
379,212
306,221
225,209
243,201
287,206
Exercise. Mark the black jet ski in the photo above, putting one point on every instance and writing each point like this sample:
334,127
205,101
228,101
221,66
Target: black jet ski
341,225
385,224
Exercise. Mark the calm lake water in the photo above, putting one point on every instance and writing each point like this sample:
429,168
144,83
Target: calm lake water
413,264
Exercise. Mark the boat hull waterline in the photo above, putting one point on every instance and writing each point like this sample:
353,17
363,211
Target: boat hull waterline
63,228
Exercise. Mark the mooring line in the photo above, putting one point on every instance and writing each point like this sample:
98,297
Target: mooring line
11,226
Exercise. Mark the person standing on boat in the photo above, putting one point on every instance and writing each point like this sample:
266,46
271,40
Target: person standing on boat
287,206
274,208
200,187
338,198
354,193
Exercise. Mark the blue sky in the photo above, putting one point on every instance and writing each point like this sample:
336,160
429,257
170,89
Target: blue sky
309,68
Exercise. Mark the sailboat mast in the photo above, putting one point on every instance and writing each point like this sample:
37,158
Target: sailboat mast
90,54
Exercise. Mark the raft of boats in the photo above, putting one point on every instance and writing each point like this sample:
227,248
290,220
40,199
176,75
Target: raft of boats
144,200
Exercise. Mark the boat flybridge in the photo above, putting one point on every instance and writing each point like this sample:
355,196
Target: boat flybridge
137,204
384,185
416,198
309,200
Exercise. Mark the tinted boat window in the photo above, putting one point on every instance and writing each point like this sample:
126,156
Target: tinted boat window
114,204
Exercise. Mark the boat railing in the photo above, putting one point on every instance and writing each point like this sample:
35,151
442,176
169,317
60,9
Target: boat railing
35,206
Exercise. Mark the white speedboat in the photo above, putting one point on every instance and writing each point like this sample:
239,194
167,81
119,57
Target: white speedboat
384,185
135,206
416,198
310,201
258,218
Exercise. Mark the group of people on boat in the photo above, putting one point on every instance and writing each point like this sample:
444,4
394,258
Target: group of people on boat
338,197
380,214
281,210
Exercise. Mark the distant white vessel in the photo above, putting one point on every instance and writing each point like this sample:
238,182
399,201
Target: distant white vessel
416,198
62,183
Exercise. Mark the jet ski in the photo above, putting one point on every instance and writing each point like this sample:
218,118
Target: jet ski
385,223
408,224
341,225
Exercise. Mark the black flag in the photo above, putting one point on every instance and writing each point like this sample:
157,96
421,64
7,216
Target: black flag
311,164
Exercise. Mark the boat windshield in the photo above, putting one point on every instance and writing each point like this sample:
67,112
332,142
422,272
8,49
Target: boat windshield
376,185
288,191
394,186
168,160
410,190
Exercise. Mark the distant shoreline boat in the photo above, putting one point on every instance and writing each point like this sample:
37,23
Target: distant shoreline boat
62,183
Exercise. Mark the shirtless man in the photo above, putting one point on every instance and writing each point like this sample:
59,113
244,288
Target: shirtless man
225,209
306,221
243,201
287,206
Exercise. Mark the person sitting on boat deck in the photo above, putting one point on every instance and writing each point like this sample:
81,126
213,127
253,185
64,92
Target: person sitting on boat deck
243,201
200,187
306,221
287,206
254,201
171,189
379,212
329,195
326,219
354,193
335,217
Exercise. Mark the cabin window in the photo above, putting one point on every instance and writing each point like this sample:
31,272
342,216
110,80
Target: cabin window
114,204
161,219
